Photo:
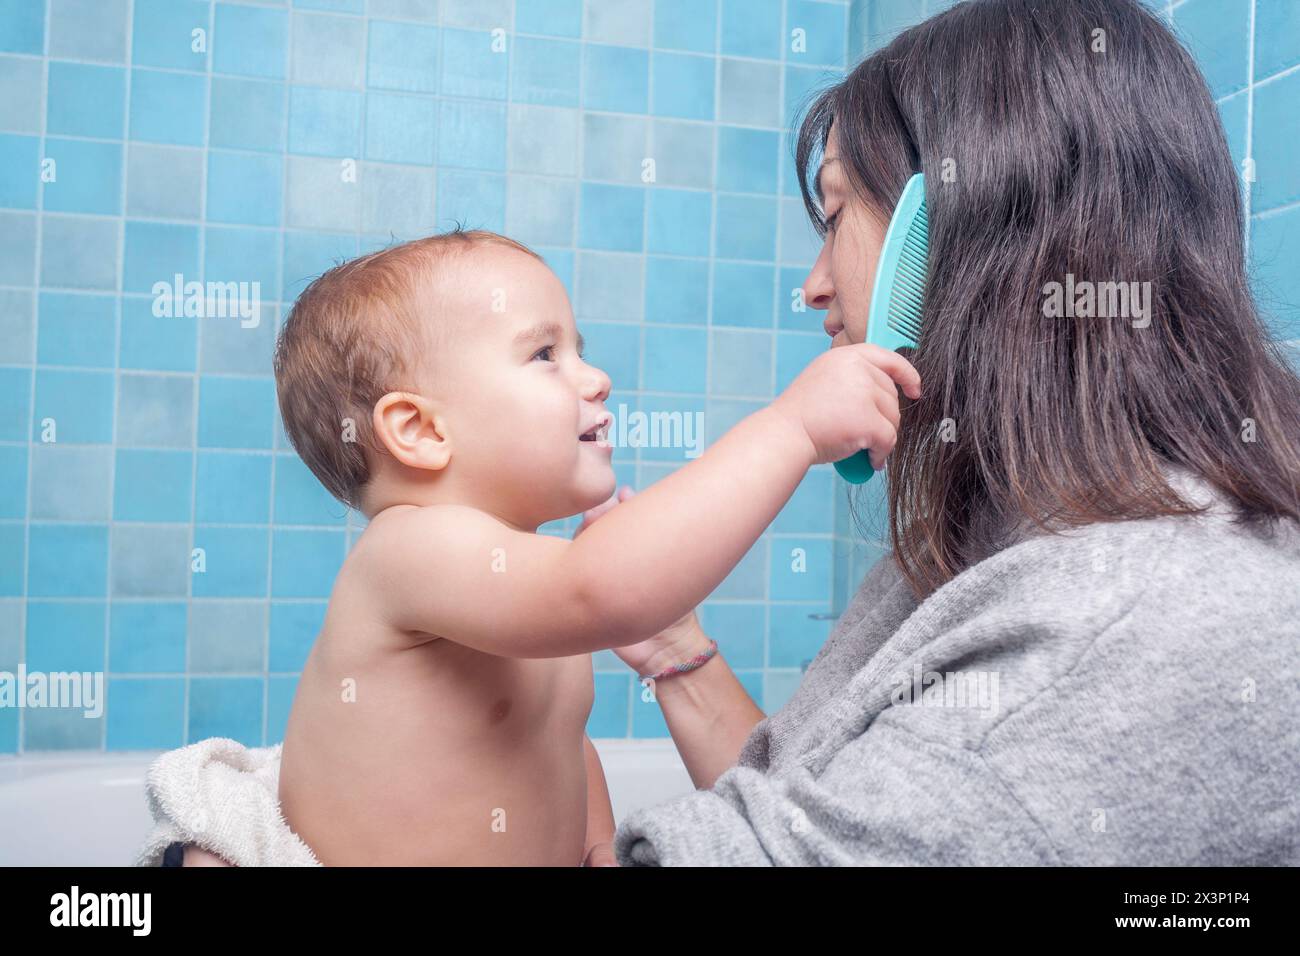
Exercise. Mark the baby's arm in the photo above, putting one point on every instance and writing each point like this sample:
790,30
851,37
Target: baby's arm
459,573
598,850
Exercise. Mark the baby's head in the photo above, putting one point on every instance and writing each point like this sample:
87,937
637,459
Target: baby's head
446,370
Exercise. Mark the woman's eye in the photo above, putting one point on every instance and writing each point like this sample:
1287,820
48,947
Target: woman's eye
832,220
549,348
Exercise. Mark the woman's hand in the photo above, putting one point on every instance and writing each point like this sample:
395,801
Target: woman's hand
680,641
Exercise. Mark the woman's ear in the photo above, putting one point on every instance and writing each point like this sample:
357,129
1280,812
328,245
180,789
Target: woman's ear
405,423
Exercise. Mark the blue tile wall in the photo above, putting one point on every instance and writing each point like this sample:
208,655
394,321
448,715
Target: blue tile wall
153,521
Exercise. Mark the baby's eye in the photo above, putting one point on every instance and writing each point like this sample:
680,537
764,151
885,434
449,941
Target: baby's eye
549,348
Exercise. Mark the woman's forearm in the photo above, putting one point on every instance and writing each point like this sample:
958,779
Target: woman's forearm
709,715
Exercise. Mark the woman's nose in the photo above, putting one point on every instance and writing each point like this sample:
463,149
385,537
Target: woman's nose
818,292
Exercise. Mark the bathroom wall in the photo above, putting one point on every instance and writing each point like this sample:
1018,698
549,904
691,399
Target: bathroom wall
260,141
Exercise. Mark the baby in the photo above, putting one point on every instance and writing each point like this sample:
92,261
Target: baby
439,387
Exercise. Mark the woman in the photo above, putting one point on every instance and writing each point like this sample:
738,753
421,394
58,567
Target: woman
1082,648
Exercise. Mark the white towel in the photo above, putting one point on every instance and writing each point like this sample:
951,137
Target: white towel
224,797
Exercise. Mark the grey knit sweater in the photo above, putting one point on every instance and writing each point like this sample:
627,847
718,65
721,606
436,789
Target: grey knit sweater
1125,693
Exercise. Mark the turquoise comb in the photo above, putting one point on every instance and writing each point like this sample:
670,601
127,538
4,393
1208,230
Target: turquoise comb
897,295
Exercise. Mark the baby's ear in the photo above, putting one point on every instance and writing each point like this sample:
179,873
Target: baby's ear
408,427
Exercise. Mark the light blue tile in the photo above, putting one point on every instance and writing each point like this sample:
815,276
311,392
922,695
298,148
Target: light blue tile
145,713
1274,249
246,114
742,294
157,252
400,129
615,78
1277,129
280,692
153,486
479,200
745,227
680,221
613,147
17,326
561,18
677,290
544,140
79,403
17,248
61,728
15,398
251,41
11,633
676,359
235,561
324,122
65,636
305,563
78,252
749,93
146,637
794,350
747,160
163,33
227,637
20,171
1218,34
795,636
403,56
331,51
244,188
23,107
742,363
71,483
609,708
227,707
232,488
825,31
682,411
887,18
307,255
1277,36
164,182
686,25
751,28
739,630
472,134
165,343
89,177
150,560
609,287
67,560
810,319
801,569
334,6
683,85
809,509
89,29
748,579
294,626
85,100
22,26
802,86
647,718
611,217
168,107
471,67
13,560
545,72
623,22
155,411
76,329
301,499
541,210
616,348
235,412
231,254
13,484
683,153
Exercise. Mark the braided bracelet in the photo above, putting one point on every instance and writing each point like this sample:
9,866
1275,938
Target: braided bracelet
696,661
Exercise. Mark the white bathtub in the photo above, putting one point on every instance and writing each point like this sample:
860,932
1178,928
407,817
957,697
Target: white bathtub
88,809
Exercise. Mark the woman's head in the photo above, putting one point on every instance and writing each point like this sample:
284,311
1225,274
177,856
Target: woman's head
1069,146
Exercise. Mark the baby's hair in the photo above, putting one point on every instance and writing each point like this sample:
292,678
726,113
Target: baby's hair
356,333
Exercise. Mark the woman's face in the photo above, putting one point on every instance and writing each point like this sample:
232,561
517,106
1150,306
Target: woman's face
841,278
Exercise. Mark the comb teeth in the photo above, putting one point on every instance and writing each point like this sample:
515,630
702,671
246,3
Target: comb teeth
908,294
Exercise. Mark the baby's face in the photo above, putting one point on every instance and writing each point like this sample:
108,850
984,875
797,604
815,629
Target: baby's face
516,393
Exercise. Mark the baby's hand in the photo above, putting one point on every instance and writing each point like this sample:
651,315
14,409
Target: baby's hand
845,400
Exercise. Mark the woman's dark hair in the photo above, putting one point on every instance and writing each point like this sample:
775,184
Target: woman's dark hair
1062,138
